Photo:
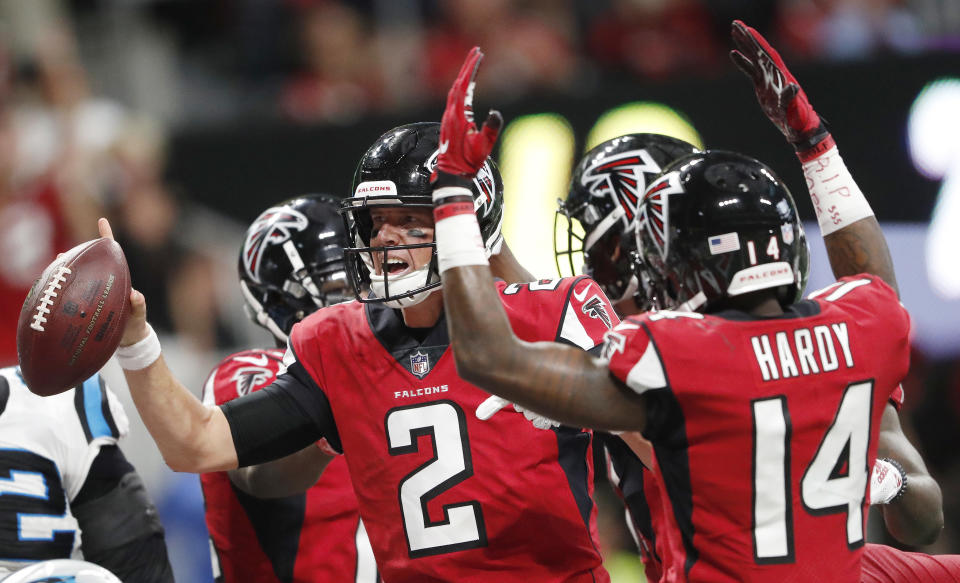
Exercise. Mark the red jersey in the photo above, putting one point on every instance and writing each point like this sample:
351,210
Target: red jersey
444,495
765,429
883,564
315,537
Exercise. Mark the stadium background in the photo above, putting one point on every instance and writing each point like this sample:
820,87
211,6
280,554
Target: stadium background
181,120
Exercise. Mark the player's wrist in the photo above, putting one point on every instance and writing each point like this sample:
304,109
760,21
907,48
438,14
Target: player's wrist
444,178
140,354
814,144
837,199
888,481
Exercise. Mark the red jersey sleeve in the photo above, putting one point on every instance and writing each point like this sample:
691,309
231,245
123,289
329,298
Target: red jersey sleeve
581,310
632,356
588,314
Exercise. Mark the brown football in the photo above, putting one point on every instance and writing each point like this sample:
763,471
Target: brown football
73,317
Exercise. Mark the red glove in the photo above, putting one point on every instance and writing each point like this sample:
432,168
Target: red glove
463,149
779,94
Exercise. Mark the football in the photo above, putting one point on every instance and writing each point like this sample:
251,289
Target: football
73,317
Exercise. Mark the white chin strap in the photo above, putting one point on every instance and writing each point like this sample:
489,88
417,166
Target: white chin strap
632,287
254,310
403,284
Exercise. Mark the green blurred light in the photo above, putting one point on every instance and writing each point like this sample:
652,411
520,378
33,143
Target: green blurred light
535,158
642,117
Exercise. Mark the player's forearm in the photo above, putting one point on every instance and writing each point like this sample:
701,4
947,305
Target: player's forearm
917,517
191,437
861,248
286,476
480,333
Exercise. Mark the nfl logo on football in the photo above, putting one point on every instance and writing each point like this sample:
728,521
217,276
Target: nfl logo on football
419,364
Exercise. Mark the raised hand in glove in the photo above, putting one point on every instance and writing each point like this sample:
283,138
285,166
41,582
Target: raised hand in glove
463,148
779,94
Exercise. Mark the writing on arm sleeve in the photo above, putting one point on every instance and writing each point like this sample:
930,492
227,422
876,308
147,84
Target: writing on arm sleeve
281,419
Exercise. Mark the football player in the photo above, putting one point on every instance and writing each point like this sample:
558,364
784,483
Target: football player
764,410
911,499
595,223
290,264
66,489
443,494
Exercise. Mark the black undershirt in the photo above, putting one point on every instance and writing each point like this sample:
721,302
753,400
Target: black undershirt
281,419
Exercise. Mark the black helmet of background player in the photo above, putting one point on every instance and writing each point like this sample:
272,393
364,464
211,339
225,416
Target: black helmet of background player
719,224
291,262
395,171
605,189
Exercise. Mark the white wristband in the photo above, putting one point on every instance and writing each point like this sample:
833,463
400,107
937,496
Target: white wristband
837,200
886,482
457,232
141,354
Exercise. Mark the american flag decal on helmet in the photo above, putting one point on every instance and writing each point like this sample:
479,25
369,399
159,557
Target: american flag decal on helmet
622,177
274,226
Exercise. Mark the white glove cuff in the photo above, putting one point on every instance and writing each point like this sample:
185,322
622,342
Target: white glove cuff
888,481
140,355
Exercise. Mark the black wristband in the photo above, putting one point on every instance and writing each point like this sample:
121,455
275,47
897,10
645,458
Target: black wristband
903,478
447,179
810,142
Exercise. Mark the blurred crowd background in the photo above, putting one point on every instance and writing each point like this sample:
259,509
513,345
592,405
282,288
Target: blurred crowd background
181,119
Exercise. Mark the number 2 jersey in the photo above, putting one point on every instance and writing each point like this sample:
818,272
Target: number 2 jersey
444,495
316,537
765,429
47,446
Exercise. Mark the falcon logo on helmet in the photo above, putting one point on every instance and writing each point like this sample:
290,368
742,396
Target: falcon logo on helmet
273,227
622,178
484,183
654,213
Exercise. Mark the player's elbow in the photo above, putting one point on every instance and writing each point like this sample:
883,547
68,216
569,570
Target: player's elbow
478,364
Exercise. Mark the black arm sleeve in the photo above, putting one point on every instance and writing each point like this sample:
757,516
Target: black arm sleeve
281,419
120,530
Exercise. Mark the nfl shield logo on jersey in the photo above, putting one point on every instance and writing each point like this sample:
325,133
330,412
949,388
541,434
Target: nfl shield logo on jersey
419,364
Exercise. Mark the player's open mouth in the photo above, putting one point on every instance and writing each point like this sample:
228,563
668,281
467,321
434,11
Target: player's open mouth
396,266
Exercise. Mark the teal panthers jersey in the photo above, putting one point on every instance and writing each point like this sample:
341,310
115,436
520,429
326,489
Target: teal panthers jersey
47,445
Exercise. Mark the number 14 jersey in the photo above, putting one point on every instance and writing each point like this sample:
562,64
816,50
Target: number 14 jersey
765,430
444,495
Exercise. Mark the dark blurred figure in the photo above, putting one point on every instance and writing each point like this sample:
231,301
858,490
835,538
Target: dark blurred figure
656,38
338,79
527,47
148,222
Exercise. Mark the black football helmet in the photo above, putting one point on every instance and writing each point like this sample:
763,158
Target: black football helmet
719,224
596,221
395,171
291,262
